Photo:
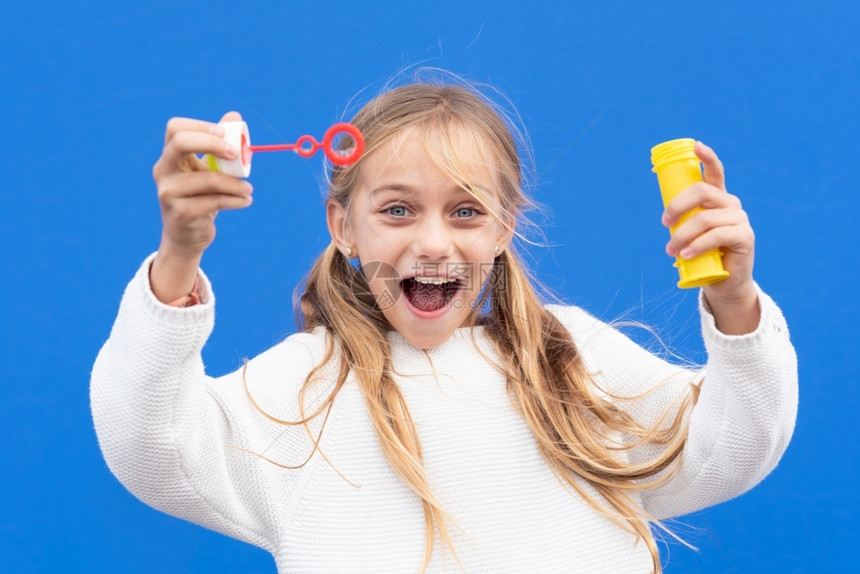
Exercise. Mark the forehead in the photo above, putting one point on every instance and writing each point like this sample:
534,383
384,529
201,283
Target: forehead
436,156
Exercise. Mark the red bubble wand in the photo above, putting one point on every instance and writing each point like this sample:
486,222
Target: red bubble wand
237,134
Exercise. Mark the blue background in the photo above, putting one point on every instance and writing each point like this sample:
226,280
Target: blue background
88,87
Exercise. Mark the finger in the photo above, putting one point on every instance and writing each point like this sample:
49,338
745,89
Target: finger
714,171
176,125
183,185
735,238
190,209
701,223
185,143
700,194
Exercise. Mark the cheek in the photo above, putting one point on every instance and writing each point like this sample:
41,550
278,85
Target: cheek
485,237
378,240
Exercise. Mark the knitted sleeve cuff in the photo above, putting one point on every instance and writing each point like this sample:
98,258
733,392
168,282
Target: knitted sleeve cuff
771,321
163,312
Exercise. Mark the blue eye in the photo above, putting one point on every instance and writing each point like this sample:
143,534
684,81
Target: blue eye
465,212
397,211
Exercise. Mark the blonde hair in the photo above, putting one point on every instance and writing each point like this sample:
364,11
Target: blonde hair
546,378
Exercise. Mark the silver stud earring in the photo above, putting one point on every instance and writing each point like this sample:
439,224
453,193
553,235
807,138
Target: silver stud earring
497,249
348,252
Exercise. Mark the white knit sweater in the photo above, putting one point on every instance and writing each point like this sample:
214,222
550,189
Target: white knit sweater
168,433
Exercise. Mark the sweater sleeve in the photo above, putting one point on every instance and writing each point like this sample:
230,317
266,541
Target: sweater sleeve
741,422
183,442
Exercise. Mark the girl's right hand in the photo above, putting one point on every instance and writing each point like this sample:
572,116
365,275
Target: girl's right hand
191,195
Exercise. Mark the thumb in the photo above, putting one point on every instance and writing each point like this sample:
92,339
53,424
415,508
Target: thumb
714,172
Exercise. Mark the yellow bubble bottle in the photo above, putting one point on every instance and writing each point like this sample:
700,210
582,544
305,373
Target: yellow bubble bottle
677,168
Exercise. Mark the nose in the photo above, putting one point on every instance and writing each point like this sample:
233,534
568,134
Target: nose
433,240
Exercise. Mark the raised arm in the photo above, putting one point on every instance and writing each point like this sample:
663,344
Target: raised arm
747,394
163,425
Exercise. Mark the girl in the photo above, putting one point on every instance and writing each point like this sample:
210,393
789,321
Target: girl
433,414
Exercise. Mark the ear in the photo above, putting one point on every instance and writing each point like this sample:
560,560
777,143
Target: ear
504,235
336,218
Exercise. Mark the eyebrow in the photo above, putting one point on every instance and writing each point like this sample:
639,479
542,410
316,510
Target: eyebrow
407,189
395,187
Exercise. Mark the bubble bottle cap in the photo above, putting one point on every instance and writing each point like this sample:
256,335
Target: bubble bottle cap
235,133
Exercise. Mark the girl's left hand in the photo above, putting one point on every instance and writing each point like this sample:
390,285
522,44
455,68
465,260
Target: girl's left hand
722,224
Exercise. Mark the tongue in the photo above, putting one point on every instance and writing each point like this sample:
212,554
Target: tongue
427,297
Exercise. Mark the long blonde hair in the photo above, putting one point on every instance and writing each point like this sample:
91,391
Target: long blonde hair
546,378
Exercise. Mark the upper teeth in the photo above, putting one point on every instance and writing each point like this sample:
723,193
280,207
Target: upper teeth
431,280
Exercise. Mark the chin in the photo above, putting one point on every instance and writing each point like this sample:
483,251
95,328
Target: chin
422,332
426,341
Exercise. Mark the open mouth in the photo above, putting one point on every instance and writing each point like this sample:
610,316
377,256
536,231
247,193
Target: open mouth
430,293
